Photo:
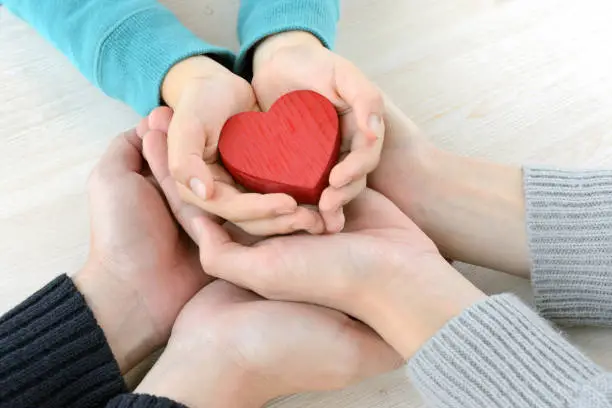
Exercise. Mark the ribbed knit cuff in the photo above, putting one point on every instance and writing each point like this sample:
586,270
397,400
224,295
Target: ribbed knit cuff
260,19
499,353
569,223
142,401
54,354
136,55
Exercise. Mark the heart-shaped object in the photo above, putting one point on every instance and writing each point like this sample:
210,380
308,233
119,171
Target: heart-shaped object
290,149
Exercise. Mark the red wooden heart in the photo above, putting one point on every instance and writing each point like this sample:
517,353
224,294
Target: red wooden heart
291,149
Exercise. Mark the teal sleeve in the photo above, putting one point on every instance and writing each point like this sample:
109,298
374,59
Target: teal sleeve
123,47
259,19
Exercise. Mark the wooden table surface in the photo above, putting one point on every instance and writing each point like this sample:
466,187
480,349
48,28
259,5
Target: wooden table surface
512,80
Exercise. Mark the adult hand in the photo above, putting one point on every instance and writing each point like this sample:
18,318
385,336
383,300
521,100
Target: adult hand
297,60
204,95
382,270
231,348
474,210
141,268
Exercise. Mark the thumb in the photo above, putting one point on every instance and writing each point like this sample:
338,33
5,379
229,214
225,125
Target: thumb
226,259
216,246
372,210
187,142
124,155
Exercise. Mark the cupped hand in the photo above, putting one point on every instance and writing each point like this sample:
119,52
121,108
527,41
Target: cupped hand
141,268
230,347
382,269
297,60
204,95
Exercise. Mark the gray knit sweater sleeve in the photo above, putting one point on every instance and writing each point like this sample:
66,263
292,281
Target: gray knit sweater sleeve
569,224
500,353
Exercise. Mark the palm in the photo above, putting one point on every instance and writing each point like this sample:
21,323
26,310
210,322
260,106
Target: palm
138,243
377,239
291,347
375,230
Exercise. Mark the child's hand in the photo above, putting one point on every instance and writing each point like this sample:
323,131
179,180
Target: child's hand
297,60
204,94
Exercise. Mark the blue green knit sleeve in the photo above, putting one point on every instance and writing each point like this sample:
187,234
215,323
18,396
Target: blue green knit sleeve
123,47
258,19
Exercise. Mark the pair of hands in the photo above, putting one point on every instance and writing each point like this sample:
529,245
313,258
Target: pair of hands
242,349
204,94
229,347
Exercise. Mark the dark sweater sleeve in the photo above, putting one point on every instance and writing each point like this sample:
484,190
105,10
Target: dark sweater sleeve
54,354
142,401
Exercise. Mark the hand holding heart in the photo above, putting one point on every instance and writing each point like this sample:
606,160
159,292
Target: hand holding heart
297,60
204,95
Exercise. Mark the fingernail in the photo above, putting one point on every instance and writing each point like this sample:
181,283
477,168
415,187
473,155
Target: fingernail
198,188
375,125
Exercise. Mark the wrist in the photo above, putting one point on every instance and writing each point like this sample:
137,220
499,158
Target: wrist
266,49
185,72
205,378
474,210
127,329
407,318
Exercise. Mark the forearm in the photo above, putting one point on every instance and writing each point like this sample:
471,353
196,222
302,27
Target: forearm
124,48
258,20
474,210
54,354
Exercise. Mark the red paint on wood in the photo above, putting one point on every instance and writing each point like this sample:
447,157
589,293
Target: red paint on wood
291,149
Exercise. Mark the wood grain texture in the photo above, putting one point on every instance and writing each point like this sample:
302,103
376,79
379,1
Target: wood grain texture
290,149
511,80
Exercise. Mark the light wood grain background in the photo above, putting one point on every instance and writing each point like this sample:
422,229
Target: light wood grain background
512,80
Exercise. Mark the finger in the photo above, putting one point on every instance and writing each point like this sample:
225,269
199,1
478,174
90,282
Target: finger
143,127
218,252
334,220
124,155
156,151
334,199
364,98
194,131
361,161
373,210
160,118
187,140
302,220
234,206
